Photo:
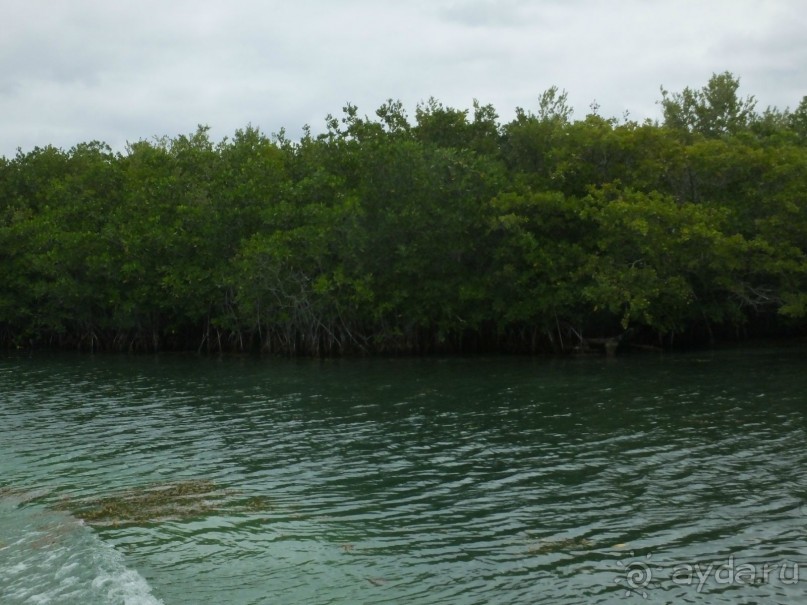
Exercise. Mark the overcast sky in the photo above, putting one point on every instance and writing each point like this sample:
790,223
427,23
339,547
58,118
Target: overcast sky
116,70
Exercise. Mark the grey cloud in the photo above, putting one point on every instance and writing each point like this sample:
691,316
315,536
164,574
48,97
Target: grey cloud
117,71
487,13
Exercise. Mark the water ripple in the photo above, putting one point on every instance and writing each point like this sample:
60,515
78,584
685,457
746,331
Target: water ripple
419,481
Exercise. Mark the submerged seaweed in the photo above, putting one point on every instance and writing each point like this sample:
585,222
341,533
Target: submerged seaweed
543,547
161,502
19,495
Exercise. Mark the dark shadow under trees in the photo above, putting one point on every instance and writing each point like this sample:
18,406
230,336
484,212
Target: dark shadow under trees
451,232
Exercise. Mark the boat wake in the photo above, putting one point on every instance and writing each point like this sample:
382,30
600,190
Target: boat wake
50,557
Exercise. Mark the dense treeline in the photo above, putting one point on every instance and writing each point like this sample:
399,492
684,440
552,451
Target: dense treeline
448,232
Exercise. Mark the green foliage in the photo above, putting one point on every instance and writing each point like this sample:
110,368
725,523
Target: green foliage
453,232
797,121
714,110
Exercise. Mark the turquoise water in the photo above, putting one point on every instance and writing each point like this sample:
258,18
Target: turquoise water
502,480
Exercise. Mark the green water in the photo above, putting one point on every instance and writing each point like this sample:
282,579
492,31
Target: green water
503,480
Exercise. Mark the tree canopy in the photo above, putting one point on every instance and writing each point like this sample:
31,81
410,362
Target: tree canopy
449,232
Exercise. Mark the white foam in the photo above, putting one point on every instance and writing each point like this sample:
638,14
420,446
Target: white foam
121,584
51,558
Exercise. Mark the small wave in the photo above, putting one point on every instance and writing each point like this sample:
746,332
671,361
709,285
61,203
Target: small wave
50,558
121,584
